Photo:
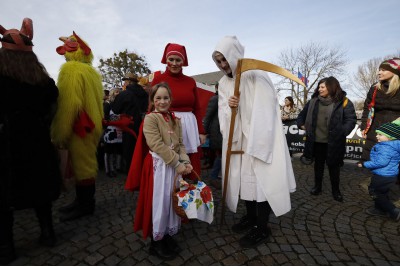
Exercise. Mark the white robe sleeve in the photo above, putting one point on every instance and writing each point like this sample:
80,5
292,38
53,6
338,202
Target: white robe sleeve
263,120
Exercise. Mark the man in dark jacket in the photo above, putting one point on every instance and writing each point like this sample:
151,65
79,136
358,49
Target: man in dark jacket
134,102
211,128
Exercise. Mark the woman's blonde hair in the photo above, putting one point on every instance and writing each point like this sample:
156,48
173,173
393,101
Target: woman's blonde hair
394,85
113,94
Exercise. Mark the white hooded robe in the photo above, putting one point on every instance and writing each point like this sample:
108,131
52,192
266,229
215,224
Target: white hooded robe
264,172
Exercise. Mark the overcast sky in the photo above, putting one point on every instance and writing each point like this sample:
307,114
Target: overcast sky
364,28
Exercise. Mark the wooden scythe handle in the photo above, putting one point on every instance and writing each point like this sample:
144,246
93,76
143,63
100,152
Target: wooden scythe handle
229,151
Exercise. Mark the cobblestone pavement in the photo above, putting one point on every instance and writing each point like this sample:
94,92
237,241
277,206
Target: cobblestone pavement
317,231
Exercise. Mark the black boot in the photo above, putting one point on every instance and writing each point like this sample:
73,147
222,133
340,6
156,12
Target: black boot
161,250
7,250
247,221
337,195
171,243
86,203
316,190
334,173
259,233
47,236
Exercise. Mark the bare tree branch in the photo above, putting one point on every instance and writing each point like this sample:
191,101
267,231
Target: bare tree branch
314,61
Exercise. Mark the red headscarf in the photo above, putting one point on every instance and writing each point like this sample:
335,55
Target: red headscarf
177,50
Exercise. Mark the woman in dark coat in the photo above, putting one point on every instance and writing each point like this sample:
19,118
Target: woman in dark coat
30,175
211,128
327,119
386,105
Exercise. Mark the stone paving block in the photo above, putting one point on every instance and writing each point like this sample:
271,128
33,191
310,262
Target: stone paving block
299,249
355,252
133,246
205,260
112,260
220,241
241,258
280,258
379,262
140,255
250,253
321,260
330,256
210,244
254,263
267,260
273,247
94,238
286,248
94,247
323,246
145,262
292,239
68,262
390,256
186,254
230,260
314,251
291,256
129,261
94,258
280,240
263,249
192,262
307,259
218,255
228,249
107,250
198,249
41,259
120,243
68,251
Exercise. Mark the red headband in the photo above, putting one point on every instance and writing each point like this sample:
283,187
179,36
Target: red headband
177,50
26,30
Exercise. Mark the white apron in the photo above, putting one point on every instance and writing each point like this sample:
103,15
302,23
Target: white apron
165,220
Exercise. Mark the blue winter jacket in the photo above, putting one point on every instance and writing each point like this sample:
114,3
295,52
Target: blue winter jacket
385,158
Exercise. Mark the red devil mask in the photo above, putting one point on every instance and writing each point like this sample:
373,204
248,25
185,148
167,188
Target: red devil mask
19,44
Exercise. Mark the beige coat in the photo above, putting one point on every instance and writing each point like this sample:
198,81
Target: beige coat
165,139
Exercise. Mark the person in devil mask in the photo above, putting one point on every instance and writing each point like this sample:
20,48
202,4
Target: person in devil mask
30,176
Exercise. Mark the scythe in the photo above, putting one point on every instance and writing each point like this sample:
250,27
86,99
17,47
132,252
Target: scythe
243,65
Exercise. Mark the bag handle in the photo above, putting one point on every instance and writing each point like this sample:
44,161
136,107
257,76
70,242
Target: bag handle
176,177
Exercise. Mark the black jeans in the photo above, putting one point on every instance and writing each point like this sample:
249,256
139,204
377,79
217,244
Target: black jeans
320,154
379,191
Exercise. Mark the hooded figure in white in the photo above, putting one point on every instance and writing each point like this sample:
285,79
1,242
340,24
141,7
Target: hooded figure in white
264,172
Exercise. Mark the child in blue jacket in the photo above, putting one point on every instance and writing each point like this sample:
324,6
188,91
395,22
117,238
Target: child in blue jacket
384,164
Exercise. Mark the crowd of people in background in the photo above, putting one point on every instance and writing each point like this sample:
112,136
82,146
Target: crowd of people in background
153,136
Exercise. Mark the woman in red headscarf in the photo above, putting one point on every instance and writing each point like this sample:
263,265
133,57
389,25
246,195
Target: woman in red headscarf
185,102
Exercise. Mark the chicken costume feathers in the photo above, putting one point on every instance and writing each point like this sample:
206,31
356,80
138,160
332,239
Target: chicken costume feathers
81,93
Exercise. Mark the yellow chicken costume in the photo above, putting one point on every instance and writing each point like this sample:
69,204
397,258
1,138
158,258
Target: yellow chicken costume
77,124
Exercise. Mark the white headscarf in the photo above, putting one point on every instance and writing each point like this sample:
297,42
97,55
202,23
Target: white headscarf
232,50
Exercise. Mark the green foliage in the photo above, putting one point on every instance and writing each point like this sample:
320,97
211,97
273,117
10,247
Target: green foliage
114,69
